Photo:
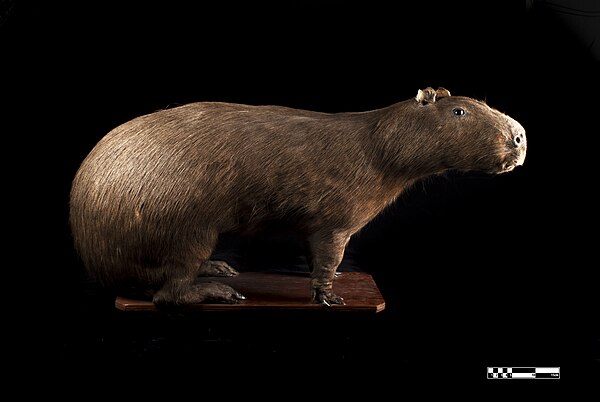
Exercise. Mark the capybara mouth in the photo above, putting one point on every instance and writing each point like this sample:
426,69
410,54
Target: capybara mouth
507,167
510,165
514,159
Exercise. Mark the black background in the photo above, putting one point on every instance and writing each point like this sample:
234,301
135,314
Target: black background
476,270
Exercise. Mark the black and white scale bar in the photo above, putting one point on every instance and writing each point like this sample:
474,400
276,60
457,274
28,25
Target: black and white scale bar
523,372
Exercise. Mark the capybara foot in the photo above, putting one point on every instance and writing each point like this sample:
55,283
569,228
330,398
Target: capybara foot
219,292
216,268
203,292
326,297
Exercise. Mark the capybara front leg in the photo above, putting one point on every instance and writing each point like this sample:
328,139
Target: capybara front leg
326,252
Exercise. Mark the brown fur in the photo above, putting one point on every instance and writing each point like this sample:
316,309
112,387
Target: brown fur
150,200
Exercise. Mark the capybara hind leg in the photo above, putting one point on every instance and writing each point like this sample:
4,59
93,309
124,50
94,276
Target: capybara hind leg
216,268
217,292
181,287
184,292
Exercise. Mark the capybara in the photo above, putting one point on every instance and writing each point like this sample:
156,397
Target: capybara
149,202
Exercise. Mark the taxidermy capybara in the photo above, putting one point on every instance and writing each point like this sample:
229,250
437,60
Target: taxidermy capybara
151,199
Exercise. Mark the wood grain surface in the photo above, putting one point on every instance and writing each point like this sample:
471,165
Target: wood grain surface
271,290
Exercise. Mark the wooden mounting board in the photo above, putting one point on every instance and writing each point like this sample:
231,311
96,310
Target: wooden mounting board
270,290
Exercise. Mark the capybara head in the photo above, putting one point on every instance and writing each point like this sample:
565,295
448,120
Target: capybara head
467,134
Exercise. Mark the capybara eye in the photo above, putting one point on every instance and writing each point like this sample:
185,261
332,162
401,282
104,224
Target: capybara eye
457,111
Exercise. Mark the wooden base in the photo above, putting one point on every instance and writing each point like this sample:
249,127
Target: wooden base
269,290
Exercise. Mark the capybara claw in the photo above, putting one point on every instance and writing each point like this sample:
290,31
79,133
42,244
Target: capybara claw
327,298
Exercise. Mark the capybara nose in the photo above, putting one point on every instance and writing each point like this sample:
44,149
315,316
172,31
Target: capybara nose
519,139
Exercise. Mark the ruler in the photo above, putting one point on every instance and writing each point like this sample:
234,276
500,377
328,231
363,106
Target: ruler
523,372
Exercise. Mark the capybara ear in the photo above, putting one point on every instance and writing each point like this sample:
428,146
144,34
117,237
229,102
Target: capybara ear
426,96
442,93
430,95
